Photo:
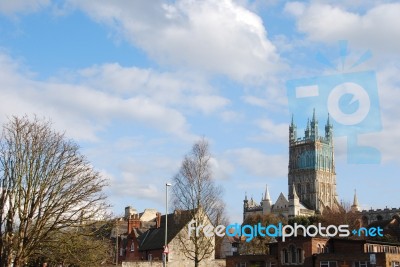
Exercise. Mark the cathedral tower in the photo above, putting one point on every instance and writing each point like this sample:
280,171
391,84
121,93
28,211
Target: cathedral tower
312,166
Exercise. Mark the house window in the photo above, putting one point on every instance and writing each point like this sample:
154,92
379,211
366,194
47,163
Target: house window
121,251
133,246
395,264
328,264
360,264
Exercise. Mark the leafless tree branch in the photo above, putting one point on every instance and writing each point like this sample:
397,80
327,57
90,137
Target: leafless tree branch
46,186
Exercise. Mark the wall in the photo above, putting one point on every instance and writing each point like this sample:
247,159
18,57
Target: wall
233,261
214,263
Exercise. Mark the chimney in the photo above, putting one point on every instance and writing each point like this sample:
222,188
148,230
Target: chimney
133,222
158,219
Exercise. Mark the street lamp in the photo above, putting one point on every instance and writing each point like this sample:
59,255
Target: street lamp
166,222
116,243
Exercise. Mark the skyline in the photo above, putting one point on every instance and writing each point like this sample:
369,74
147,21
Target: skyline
136,83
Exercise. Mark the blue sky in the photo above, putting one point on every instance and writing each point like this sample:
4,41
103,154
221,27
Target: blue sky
136,83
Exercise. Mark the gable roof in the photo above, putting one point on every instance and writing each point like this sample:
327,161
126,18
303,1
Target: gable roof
155,238
281,202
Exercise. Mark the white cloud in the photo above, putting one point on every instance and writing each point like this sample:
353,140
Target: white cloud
256,101
259,164
295,8
140,177
221,168
80,109
378,28
22,6
271,131
167,88
209,103
213,36
231,116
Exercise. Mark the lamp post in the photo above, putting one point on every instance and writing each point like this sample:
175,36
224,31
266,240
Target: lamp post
166,222
116,243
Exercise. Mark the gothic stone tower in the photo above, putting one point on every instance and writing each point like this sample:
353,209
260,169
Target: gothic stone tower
312,167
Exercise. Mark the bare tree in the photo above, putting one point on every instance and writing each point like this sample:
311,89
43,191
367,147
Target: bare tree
194,191
46,186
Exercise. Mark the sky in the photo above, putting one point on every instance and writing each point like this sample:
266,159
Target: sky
137,83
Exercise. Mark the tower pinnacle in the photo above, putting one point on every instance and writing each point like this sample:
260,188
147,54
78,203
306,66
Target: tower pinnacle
355,206
266,194
328,129
313,116
295,196
292,131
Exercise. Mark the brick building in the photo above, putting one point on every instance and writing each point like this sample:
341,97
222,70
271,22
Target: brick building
129,230
141,237
322,252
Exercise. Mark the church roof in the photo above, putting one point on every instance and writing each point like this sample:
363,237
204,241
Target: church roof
281,202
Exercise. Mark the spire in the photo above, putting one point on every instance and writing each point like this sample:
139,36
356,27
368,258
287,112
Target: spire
292,124
328,123
328,129
307,131
266,194
355,201
313,116
355,206
245,196
292,131
314,126
295,196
